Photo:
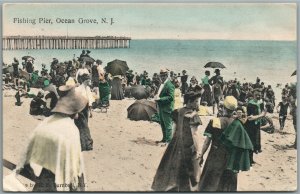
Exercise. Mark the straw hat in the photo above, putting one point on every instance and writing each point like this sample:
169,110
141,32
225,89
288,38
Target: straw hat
70,103
230,103
164,71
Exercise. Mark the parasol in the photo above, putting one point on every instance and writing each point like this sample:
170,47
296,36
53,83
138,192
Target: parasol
141,110
117,67
214,65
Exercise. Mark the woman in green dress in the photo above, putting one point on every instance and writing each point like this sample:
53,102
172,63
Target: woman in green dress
229,152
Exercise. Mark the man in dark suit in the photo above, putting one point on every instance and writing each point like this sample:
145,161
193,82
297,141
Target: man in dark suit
165,103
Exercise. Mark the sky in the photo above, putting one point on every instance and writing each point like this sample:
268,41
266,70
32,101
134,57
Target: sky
243,21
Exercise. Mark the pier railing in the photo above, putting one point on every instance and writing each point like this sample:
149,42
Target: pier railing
64,42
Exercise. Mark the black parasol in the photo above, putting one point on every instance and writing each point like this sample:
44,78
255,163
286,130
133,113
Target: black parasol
117,67
141,110
214,65
139,92
86,59
26,57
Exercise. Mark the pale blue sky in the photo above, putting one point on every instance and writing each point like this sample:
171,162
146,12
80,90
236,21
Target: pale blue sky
255,21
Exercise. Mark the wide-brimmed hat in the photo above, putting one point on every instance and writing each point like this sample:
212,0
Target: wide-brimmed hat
71,102
164,71
230,102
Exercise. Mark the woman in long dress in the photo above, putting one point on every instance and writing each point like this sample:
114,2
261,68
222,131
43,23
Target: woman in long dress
179,169
228,155
116,88
207,95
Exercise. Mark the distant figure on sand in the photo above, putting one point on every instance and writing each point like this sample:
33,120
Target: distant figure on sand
116,88
179,168
165,102
255,111
206,96
217,87
283,111
184,84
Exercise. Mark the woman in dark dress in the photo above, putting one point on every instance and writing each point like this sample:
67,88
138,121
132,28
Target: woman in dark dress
179,168
220,169
206,96
255,113
116,88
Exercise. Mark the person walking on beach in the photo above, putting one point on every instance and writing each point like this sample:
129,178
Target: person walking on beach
228,154
184,84
255,111
283,105
15,65
165,103
53,154
217,87
82,121
179,168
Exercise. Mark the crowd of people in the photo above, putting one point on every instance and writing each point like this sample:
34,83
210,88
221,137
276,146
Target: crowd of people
72,89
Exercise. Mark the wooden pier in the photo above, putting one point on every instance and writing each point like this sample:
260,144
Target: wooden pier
64,42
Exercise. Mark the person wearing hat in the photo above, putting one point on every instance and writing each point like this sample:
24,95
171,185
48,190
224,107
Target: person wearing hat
255,111
227,155
82,121
53,154
129,77
184,84
165,103
103,86
179,167
15,65
82,54
217,87
29,65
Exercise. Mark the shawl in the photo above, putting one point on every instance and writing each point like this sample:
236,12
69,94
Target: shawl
55,145
238,143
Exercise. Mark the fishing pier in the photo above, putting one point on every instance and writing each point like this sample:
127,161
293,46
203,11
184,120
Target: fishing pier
64,42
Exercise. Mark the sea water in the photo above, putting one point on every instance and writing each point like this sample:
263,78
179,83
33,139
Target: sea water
272,61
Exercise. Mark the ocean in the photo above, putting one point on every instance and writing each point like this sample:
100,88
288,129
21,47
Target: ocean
272,61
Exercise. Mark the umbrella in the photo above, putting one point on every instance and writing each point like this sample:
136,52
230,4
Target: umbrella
139,92
214,65
117,67
141,110
87,59
295,73
26,57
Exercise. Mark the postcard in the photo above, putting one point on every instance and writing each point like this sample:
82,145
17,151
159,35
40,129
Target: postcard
141,97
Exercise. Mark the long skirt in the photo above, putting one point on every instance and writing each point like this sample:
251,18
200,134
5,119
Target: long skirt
207,95
85,135
116,89
104,91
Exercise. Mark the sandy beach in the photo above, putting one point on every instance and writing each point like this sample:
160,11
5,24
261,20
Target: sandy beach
125,156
